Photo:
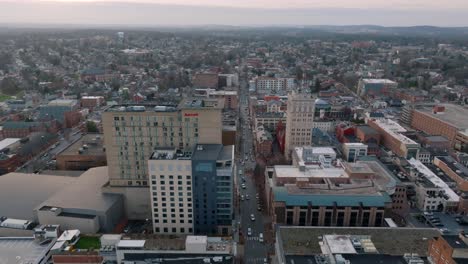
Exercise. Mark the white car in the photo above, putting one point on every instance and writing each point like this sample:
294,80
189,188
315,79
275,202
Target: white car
252,217
260,237
249,231
242,197
243,186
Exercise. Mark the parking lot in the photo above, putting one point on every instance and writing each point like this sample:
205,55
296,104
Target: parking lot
446,223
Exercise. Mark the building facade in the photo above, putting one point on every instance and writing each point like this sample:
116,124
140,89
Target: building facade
352,151
191,192
299,122
132,133
171,191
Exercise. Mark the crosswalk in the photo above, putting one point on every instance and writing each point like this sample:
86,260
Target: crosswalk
255,261
252,238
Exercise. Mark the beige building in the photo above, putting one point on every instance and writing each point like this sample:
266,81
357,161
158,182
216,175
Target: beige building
132,133
299,122
171,191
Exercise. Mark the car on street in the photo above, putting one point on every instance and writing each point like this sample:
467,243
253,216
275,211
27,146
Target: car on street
249,231
247,197
260,237
252,217
242,197
265,261
243,186
259,208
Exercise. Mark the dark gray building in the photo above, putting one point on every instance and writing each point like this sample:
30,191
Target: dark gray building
212,172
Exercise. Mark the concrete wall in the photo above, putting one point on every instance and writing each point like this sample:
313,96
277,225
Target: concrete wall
85,225
136,201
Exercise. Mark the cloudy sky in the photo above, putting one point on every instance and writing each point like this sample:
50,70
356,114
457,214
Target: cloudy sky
236,12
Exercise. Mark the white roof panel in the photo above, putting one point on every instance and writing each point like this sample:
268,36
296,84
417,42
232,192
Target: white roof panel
131,244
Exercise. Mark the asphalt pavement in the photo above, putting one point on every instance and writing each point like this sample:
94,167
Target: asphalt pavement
255,251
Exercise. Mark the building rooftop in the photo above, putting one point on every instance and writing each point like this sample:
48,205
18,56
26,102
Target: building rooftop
23,250
455,166
89,144
390,241
20,193
169,154
62,102
85,193
365,196
454,241
395,129
131,243
19,124
378,81
310,171
184,104
367,130
207,152
68,235
454,114
8,142
434,179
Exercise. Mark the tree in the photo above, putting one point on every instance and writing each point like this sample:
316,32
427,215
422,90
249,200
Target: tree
8,86
91,127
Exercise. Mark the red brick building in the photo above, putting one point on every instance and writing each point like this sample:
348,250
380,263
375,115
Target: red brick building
72,118
77,259
92,102
445,120
448,249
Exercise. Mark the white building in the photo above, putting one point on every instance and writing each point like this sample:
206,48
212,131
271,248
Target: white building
171,194
307,155
273,85
352,151
324,126
432,192
299,121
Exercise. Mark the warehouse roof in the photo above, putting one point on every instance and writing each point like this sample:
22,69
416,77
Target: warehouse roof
20,193
85,193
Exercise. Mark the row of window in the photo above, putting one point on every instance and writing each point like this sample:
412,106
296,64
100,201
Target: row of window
173,230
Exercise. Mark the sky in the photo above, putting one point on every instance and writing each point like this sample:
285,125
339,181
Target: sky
400,4
235,12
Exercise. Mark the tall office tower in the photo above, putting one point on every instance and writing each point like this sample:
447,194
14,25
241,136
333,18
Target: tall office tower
192,192
299,121
133,132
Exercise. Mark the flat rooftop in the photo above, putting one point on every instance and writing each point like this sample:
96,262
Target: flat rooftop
170,154
207,151
22,250
391,241
454,114
366,195
434,179
20,193
288,171
378,81
85,193
8,141
455,166
88,145
395,130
